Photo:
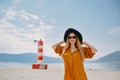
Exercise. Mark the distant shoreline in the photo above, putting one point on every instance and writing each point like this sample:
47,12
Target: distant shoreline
88,66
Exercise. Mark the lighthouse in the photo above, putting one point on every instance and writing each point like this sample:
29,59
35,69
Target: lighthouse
39,64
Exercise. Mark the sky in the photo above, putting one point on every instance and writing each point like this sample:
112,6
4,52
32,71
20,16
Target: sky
23,21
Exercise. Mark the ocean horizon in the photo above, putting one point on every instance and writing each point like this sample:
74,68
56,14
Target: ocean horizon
93,66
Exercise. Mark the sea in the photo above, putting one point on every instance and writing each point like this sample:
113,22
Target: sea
89,66
103,66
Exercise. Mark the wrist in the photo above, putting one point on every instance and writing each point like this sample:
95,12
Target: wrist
61,42
85,43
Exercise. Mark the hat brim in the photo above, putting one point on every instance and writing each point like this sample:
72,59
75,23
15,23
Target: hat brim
77,33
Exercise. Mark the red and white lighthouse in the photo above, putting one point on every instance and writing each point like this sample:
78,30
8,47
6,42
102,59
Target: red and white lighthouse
39,64
40,52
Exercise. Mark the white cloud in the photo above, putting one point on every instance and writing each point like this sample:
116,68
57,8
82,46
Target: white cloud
115,31
16,37
10,14
6,27
32,16
25,17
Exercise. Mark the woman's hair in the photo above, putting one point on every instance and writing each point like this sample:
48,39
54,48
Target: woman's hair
66,47
77,44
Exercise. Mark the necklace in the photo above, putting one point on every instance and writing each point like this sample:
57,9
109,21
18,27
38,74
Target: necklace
73,49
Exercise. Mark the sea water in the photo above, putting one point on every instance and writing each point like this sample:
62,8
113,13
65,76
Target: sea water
95,66
103,66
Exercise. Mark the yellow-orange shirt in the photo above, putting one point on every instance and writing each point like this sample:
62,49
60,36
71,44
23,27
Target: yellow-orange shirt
74,67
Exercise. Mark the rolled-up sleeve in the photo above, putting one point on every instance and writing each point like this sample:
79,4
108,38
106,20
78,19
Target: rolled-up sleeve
58,49
88,53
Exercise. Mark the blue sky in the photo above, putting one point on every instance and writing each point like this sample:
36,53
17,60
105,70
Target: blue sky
23,21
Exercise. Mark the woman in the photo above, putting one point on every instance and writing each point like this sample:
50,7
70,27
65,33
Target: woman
74,54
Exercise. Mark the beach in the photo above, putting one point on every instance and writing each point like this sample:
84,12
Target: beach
54,72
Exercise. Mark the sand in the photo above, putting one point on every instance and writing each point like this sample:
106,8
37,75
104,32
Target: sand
52,73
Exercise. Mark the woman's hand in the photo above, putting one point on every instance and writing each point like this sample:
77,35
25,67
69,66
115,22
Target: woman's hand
58,43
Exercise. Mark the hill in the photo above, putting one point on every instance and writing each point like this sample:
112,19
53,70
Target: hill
32,58
110,58
27,58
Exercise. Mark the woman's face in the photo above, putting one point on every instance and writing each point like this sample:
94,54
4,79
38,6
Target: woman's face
72,38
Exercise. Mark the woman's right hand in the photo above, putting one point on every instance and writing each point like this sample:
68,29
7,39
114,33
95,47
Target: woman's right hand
56,44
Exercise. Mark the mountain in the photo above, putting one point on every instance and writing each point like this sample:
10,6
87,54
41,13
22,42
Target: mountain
32,58
111,58
27,58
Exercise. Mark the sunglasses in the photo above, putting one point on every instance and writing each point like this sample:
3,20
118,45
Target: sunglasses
69,37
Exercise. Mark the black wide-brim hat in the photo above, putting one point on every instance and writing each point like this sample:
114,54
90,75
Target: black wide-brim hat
77,33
